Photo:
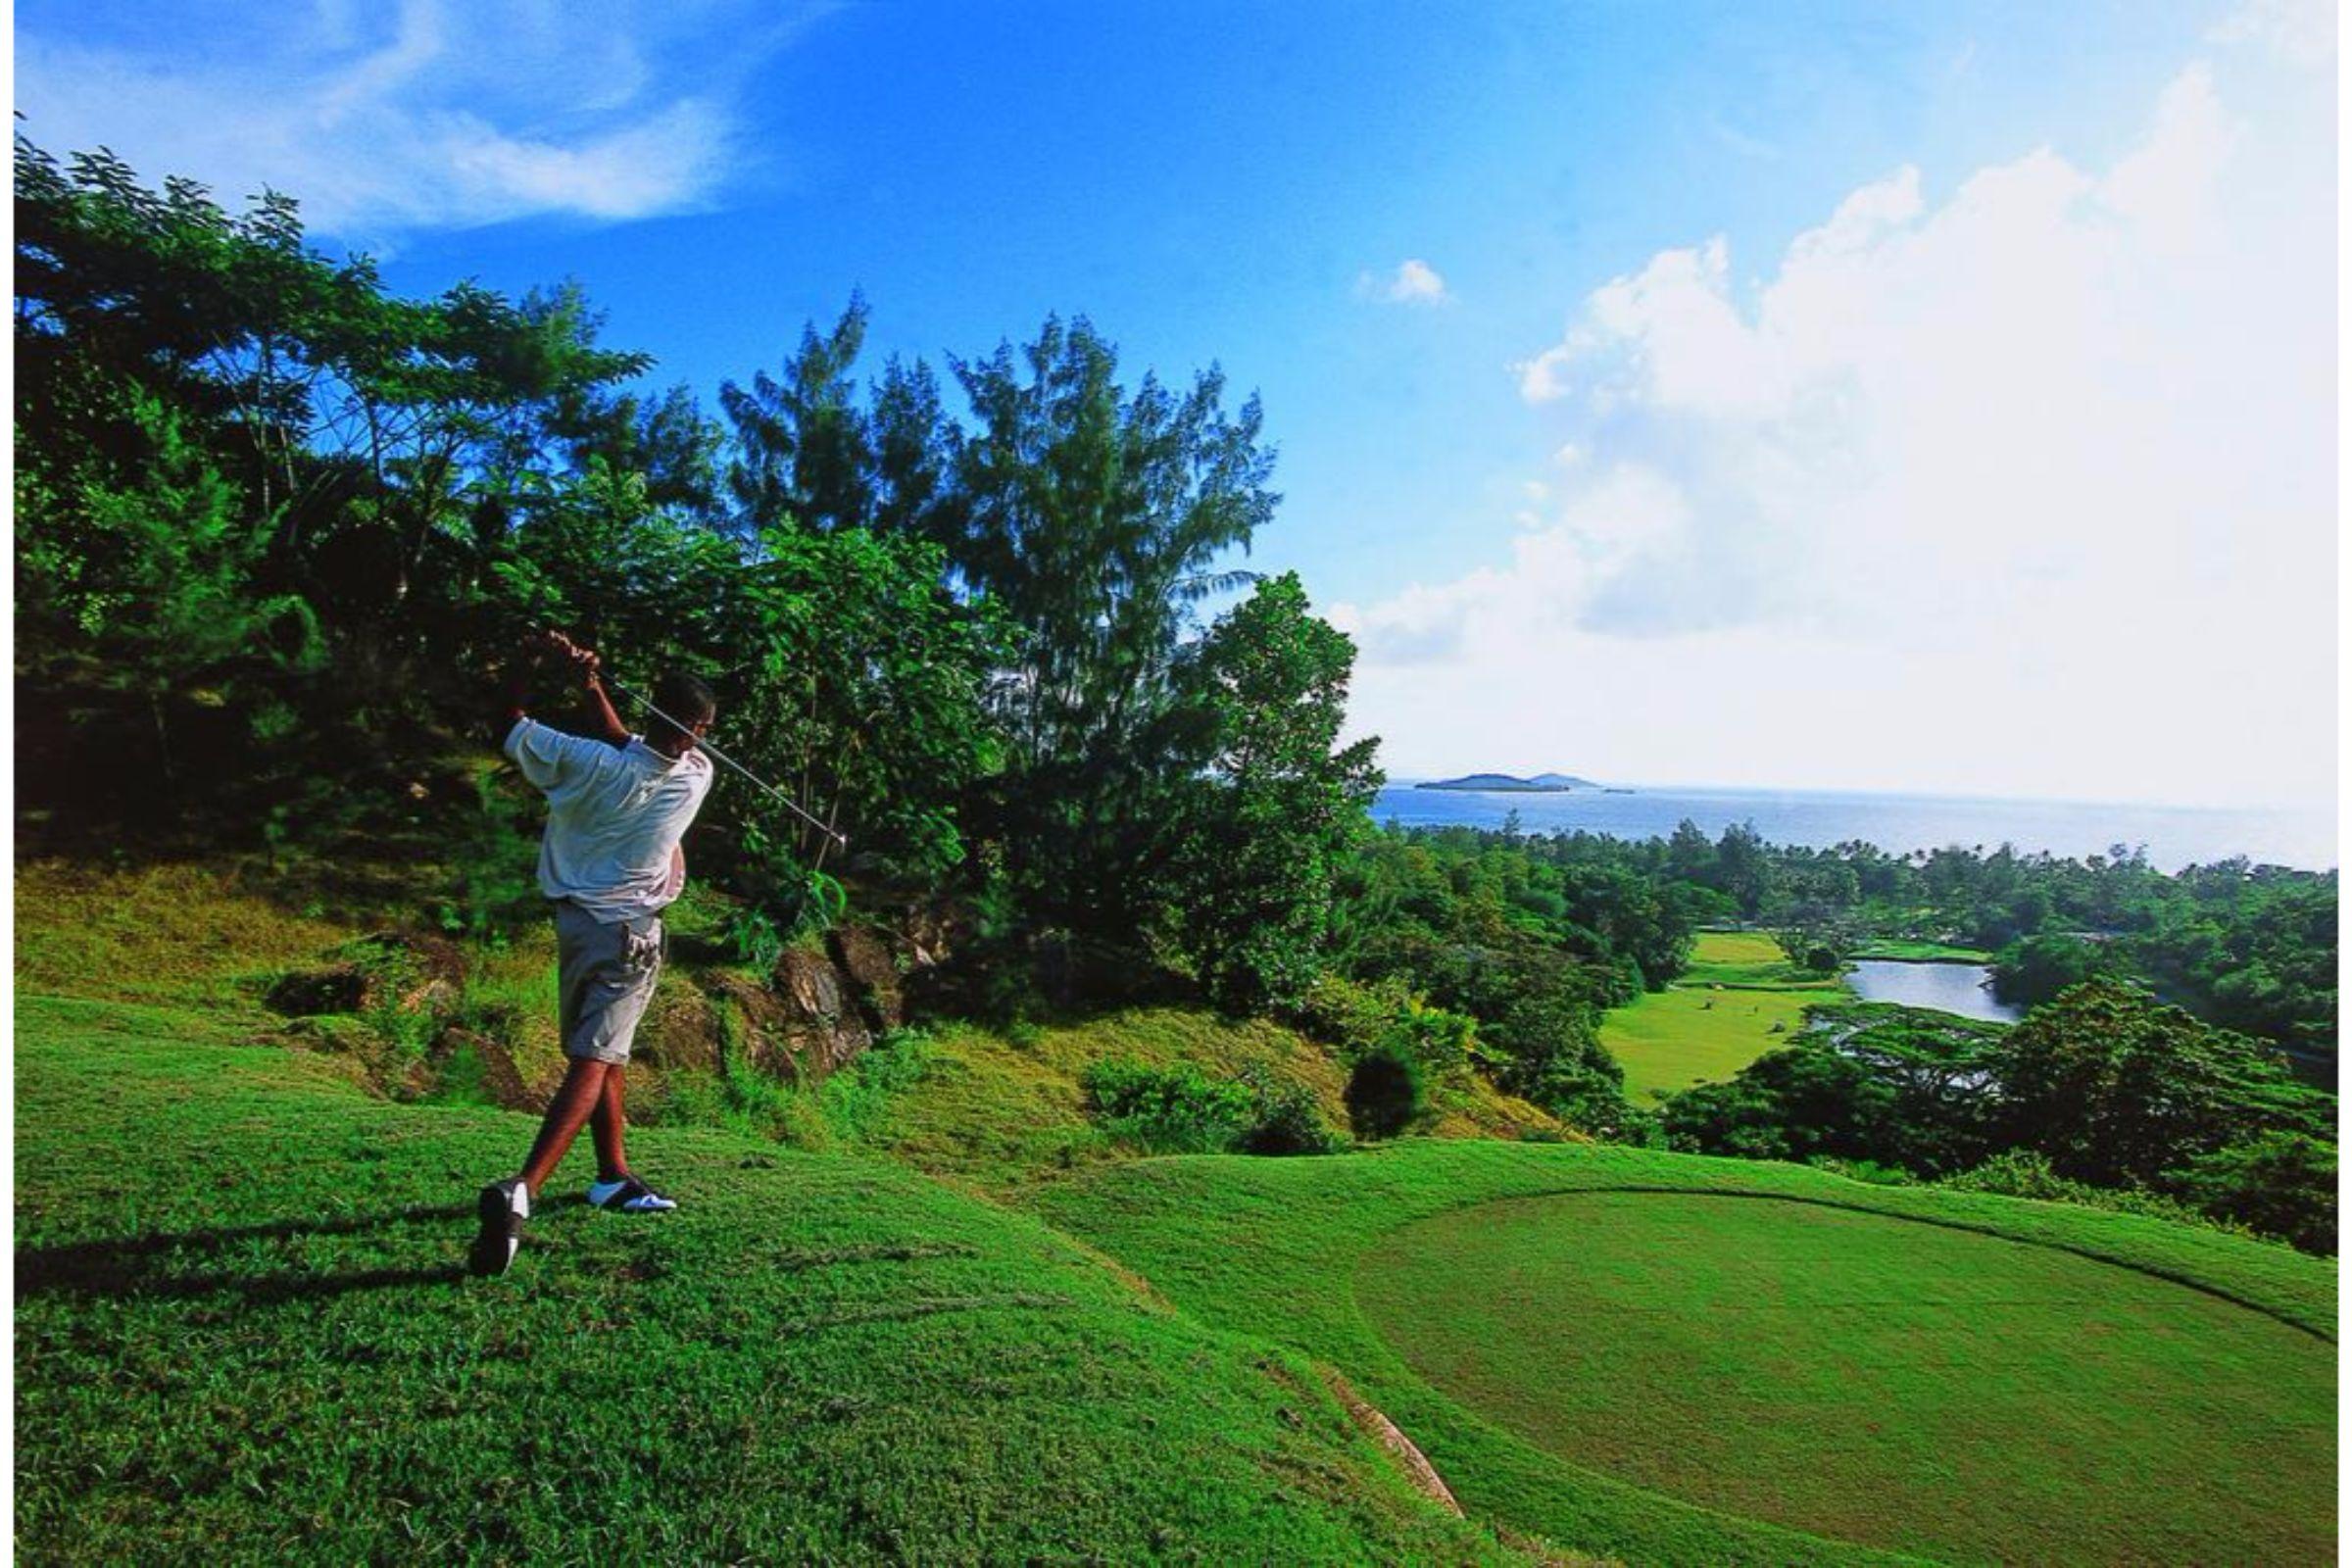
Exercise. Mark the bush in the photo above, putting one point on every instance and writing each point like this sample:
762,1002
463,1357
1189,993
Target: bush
1388,1091
2027,1173
1289,1121
2280,1184
1171,1111
1356,1019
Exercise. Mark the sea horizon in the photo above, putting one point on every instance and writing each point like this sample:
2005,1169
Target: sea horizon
1899,822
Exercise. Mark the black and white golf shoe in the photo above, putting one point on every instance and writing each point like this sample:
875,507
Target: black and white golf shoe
504,1206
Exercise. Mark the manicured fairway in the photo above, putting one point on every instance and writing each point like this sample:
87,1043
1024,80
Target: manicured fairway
1573,1334
1956,1395
1737,999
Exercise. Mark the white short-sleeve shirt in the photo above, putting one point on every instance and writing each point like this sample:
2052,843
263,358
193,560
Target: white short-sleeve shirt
614,817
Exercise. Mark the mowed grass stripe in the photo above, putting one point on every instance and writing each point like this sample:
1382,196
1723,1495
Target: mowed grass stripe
243,1334
1931,1390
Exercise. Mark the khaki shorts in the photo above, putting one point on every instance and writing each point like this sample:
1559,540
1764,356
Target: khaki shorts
606,976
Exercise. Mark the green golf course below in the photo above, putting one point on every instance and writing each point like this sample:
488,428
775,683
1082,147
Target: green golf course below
1873,1379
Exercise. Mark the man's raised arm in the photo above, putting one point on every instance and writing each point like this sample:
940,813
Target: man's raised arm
586,666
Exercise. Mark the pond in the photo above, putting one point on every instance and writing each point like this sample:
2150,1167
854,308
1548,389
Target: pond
1945,987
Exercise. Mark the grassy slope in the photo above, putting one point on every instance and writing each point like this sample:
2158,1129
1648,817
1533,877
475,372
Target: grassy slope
243,1331
1002,1110
1911,1386
1269,1245
1716,1018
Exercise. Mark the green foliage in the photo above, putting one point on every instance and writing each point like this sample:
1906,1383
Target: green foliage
1288,1121
1388,1093
2116,1088
2027,1173
1168,1111
1275,804
2280,1184
2033,969
495,864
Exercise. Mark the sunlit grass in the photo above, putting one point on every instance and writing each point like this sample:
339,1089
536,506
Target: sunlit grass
1740,998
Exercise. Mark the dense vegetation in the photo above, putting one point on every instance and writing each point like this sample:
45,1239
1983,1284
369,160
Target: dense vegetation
275,526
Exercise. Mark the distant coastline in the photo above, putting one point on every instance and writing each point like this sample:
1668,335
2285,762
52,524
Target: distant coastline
2172,836
1511,784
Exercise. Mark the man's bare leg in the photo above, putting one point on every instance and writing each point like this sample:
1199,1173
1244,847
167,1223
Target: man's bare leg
582,1093
604,1124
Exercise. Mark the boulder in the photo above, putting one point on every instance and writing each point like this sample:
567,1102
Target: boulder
820,1020
874,986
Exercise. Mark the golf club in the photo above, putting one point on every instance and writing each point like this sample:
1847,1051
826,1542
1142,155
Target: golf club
809,817
567,646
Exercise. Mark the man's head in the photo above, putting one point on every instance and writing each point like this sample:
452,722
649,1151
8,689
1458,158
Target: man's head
688,701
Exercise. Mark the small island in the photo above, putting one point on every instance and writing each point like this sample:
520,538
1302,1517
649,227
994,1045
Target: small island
1511,784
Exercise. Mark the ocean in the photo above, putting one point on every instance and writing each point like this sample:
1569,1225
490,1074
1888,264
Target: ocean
2172,836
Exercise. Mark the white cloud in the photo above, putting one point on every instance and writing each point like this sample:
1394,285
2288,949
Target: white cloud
437,116
2299,30
2028,489
1414,282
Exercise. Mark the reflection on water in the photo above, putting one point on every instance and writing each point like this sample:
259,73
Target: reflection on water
1945,987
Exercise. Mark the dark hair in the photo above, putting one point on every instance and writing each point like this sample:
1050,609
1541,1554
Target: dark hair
685,698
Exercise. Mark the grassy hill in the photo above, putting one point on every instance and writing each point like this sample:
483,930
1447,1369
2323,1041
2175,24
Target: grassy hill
1675,1359
243,1332
931,1313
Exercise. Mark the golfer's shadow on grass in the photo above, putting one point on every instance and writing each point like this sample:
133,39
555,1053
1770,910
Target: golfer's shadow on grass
157,1265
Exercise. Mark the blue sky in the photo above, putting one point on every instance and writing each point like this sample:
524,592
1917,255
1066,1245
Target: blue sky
1547,510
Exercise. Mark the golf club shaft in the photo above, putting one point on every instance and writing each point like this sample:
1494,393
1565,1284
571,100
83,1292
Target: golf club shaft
688,729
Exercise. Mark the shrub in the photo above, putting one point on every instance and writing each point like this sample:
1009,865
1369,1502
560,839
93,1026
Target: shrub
2280,1184
1171,1111
1388,1091
1355,1019
1289,1121
2027,1173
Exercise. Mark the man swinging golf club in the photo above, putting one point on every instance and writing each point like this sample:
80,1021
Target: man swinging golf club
618,806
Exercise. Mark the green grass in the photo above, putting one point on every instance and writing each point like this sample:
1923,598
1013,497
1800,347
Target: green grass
1871,1379
1594,1321
1904,950
243,1334
243,1331
1738,998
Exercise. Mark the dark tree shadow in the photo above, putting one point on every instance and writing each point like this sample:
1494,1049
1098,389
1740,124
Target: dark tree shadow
138,1265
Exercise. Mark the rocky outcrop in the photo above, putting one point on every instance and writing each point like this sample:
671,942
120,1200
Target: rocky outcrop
820,1021
866,962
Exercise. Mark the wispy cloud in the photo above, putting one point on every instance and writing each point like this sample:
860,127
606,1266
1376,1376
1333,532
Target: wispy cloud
2299,30
2054,453
384,121
1414,282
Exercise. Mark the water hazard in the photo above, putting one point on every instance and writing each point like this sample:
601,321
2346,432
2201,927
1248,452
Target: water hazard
1959,988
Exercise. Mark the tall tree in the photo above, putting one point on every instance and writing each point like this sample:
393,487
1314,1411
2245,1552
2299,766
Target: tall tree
1277,801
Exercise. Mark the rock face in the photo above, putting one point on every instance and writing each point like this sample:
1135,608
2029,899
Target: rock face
866,962
821,1019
